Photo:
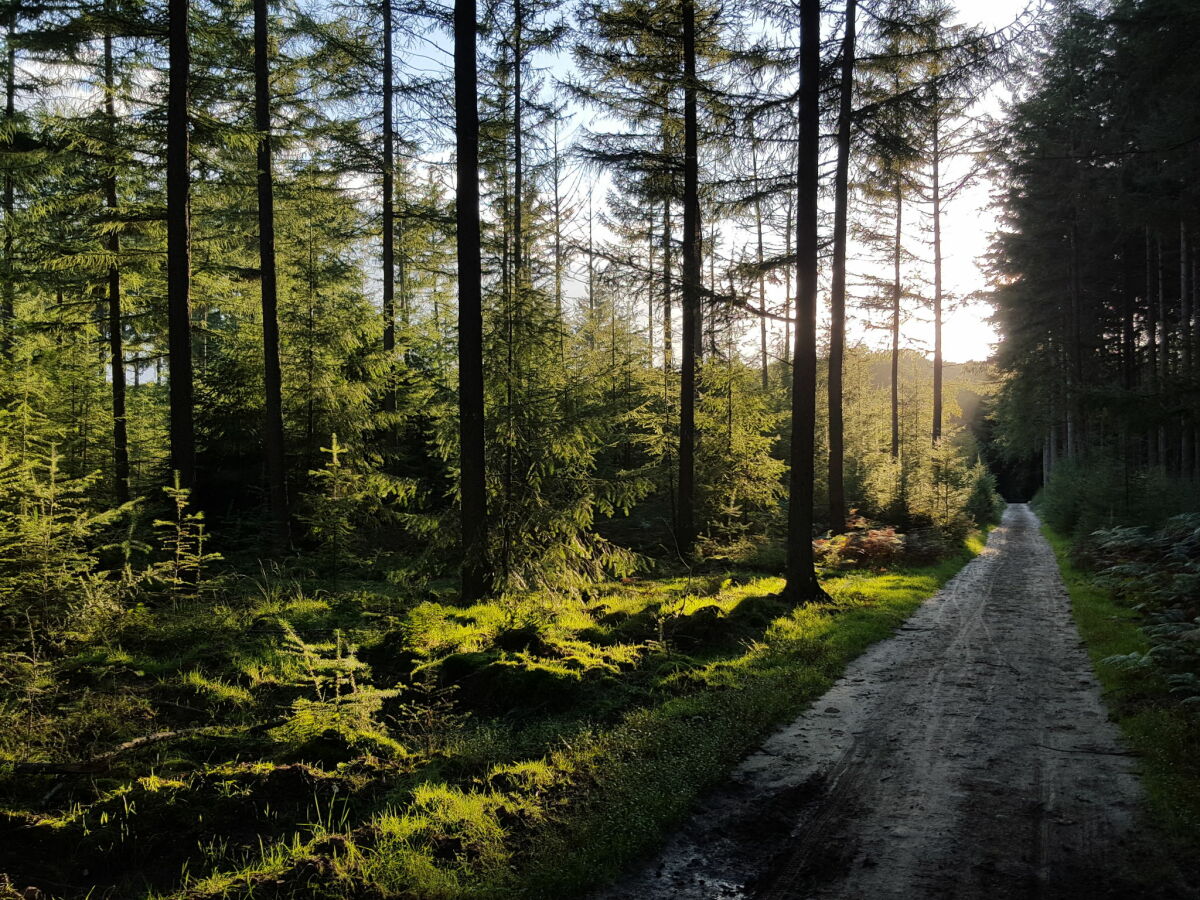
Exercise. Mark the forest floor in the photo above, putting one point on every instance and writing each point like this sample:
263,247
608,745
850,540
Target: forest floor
289,737
970,756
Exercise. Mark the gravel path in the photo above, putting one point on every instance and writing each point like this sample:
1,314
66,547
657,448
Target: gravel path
968,757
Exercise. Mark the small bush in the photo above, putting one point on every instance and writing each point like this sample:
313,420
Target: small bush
869,548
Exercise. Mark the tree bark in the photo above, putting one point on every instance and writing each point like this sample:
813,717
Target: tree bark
1152,345
1128,307
936,163
897,289
558,267
789,221
179,305
668,311
476,575
272,377
1163,350
8,294
762,278
389,217
1187,448
518,153
116,347
802,585
692,267
837,291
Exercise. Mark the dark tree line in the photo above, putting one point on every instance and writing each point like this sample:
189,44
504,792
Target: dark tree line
1098,261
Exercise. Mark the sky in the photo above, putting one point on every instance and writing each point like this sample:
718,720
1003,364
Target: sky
967,225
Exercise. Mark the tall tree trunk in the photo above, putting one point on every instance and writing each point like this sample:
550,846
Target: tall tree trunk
837,290
802,585
116,348
668,311
558,267
650,282
1075,375
1195,295
518,155
692,267
1163,350
516,292
476,576
789,221
936,163
1128,311
1187,448
389,219
1152,345
591,278
897,289
272,379
179,233
762,277
8,291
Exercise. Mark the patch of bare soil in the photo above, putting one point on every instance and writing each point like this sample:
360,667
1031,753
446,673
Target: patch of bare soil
968,757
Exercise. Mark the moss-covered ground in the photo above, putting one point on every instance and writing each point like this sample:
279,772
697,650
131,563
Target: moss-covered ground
373,742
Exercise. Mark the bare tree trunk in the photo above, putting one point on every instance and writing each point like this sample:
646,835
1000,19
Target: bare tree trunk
692,267
1128,339
558,282
272,379
1163,351
787,284
1187,448
179,306
896,293
936,163
837,291
1152,345
515,291
116,348
650,289
762,278
802,585
389,220
476,574
8,294
518,156
668,312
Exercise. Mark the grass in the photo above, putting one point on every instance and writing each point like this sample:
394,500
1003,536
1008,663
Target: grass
1163,733
528,747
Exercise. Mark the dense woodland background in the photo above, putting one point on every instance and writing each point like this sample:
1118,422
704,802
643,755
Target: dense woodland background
314,462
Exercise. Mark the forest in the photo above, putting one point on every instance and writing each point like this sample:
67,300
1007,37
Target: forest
439,443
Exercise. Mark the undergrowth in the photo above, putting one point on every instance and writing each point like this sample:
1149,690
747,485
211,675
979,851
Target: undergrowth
1162,728
288,741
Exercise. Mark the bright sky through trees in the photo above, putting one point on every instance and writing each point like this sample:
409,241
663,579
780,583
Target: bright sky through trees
968,223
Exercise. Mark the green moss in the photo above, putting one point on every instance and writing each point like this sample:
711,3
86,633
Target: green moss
528,746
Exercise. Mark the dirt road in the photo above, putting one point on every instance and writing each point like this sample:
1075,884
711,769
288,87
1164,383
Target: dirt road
968,757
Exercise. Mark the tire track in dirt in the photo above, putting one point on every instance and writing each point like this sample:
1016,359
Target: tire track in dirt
970,756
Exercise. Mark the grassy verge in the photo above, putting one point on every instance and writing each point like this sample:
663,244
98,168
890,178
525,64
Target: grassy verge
527,747
643,777
1163,733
